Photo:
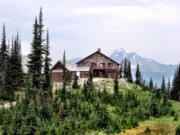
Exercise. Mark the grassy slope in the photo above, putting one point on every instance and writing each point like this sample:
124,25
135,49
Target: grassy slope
158,126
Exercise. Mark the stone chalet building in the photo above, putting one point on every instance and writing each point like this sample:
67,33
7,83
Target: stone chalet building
98,63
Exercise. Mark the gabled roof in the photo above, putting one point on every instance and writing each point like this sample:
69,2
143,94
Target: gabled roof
98,51
68,67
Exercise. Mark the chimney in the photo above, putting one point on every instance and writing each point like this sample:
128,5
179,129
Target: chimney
99,49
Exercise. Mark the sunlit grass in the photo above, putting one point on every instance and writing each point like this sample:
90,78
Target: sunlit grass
158,126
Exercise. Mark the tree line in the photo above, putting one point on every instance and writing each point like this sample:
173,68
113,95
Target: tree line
126,72
168,90
11,72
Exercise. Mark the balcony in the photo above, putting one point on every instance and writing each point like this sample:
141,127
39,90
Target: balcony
103,67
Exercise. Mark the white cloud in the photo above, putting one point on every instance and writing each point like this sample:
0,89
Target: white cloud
159,12
82,26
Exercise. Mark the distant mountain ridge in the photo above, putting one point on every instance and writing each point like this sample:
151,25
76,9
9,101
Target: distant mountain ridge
149,67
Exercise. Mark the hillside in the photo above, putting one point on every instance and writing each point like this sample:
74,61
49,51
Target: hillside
164,125
128,112
159,126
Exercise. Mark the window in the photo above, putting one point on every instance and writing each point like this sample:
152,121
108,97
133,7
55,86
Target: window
93,64
110,64
102,64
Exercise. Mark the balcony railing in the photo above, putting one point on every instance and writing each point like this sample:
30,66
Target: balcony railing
104,67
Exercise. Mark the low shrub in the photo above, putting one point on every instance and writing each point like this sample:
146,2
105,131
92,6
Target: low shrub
178,130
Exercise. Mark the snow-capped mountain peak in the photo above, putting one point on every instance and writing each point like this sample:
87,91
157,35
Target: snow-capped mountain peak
149,67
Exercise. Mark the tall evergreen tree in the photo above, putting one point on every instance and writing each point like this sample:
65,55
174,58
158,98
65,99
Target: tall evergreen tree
35,63
63,92
164,91
151,86
47,71
5,68
3,58
130,79
20,76
116,85
175,92
168,88
90,83
75,84
16,64
40,28
163,86
125,68
138,75
9,89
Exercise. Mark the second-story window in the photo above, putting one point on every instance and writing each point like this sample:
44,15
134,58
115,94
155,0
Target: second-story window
110,64
93,64
104,64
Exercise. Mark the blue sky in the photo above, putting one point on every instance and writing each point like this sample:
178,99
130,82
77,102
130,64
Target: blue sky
150,28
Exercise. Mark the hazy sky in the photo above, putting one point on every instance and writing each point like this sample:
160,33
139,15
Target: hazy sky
150,28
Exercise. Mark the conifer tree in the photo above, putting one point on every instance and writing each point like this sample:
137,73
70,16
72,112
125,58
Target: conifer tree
130,79
85,89
90,83
8,79
125,68
175,92
16,64
116,86
5,68
163,86
47,71
168,88
138,75
122,67
35,63
75,84
151,86
3,58
163,91
63,92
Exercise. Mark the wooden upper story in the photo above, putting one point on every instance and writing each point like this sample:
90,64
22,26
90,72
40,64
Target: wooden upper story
98,60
